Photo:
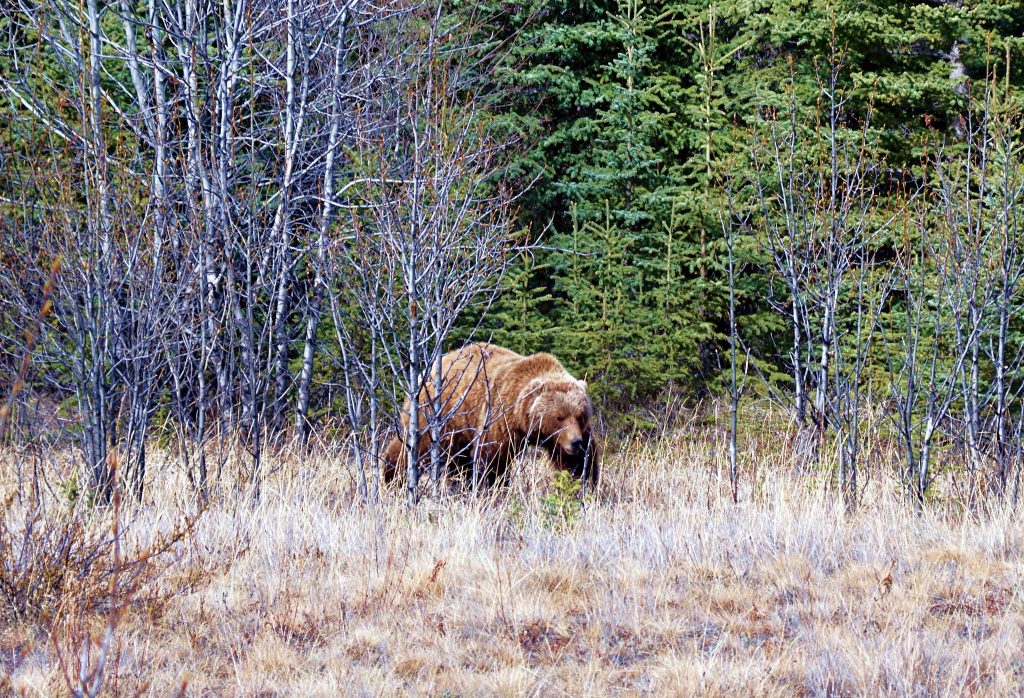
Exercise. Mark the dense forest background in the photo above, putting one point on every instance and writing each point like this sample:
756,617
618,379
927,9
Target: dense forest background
641,114
222,219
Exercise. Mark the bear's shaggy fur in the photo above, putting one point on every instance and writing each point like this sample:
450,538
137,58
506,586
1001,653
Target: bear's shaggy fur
496,403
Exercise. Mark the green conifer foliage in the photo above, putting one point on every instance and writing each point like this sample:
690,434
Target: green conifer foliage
641,109
519,318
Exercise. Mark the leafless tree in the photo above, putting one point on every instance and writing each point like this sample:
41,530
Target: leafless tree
818,215
430,229
193,161
923,379
979,182
733,222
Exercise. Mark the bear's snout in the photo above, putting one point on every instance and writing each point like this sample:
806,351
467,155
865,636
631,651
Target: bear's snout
570,441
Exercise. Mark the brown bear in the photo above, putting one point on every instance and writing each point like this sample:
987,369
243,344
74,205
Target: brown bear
495,403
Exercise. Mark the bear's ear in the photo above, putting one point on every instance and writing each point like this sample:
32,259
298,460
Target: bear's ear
535,387
530,397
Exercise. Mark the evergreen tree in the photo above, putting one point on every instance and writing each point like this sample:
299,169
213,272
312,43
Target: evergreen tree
638,105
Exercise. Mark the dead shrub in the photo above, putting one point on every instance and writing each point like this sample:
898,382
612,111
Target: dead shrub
65,569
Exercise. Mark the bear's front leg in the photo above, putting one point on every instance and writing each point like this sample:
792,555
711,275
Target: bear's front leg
491,452
393,458
396,456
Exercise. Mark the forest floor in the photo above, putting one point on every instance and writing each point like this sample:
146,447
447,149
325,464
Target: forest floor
661,585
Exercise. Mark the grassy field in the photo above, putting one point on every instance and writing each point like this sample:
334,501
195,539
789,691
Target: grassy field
660,586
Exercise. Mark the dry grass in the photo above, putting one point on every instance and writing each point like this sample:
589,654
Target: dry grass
662,587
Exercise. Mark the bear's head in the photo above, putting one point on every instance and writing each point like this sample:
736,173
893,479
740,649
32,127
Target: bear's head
559,416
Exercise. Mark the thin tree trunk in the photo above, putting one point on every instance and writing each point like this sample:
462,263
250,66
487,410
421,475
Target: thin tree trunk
319,280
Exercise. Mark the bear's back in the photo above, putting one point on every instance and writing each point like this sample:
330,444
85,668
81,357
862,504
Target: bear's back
515,371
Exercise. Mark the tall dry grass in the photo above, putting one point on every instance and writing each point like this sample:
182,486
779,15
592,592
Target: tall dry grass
662,586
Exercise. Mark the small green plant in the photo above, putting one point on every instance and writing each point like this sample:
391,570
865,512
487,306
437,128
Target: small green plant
561,508
71,491
516,514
